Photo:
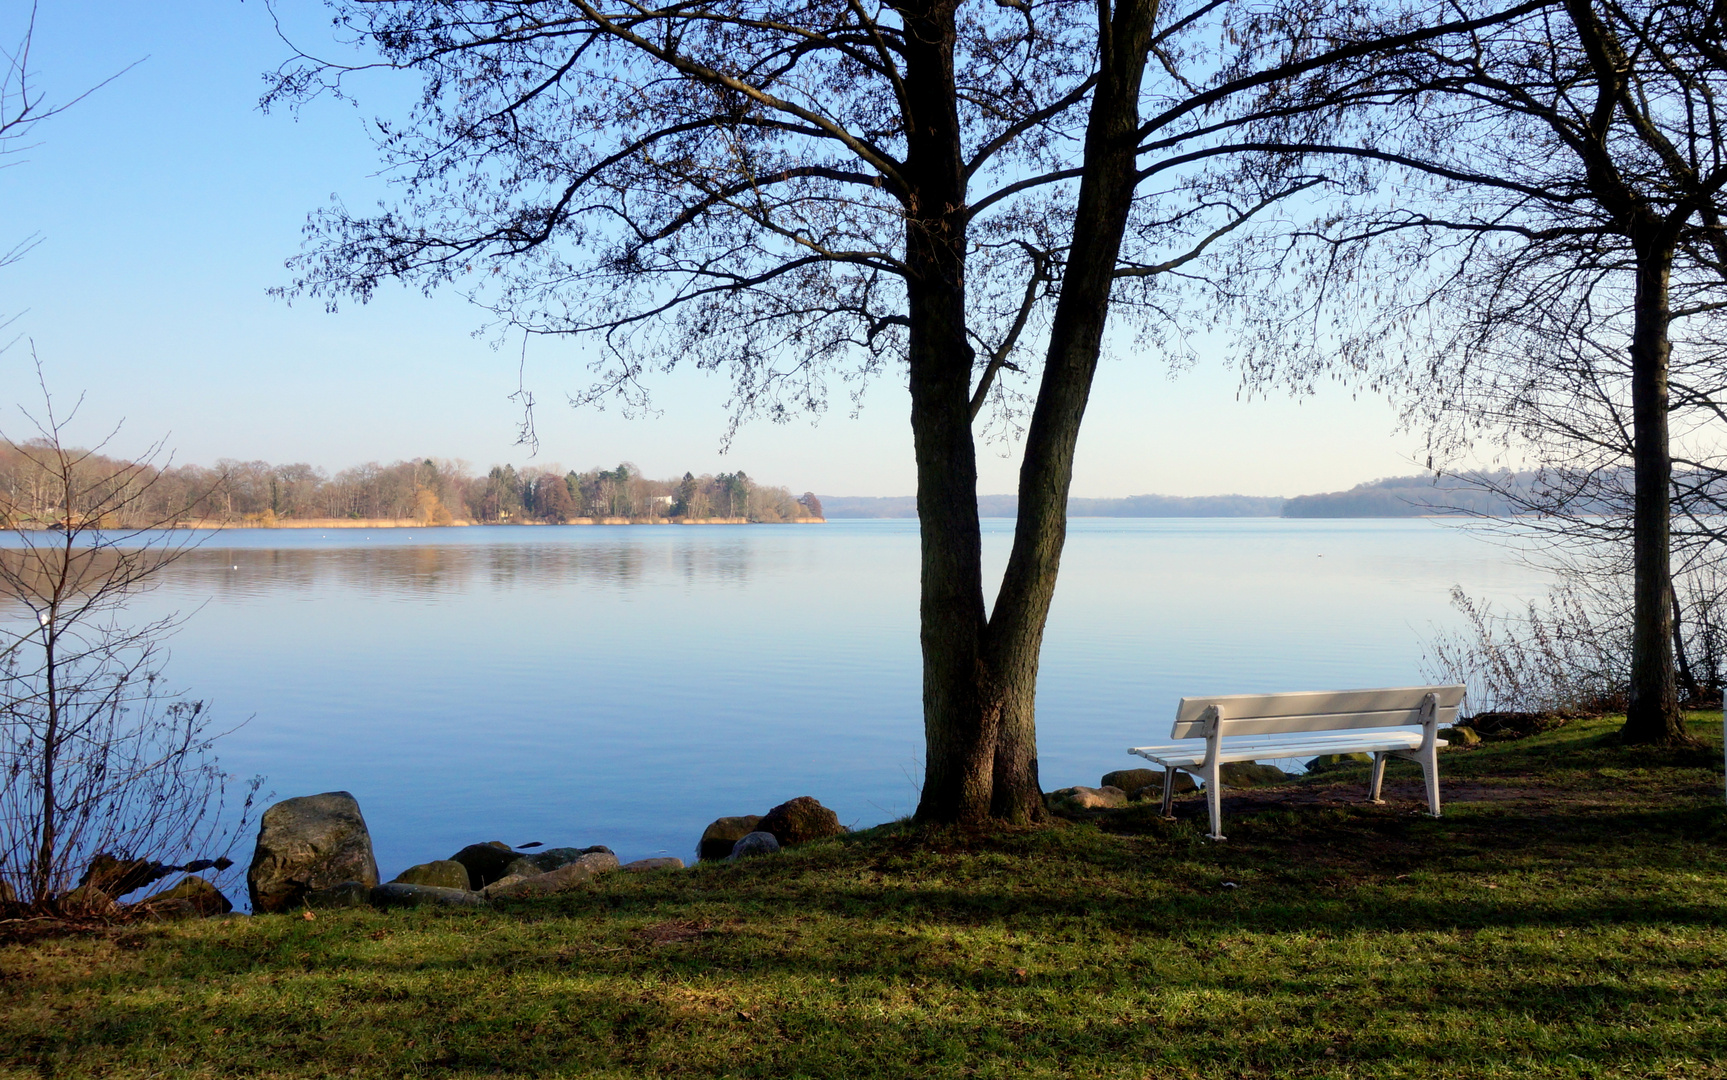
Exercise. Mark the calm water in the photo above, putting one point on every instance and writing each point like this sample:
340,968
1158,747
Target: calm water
626,685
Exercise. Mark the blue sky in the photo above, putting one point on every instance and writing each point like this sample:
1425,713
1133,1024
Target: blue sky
167,203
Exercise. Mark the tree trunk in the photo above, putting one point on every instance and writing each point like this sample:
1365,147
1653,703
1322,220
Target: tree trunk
980,678
1653,713
959,705
1076,339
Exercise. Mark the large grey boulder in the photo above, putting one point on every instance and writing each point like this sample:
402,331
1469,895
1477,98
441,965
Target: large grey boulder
719,838
563,879
440,873
753,844
401,895
308,843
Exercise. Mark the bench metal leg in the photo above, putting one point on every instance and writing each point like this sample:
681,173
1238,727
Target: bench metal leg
1214,803
1430,773
1378,778
1168,790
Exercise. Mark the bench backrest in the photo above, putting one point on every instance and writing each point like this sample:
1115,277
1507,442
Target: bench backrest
1314,710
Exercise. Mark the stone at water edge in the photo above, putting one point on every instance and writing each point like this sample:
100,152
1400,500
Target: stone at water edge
1086,798
552,858
717,839
645,865
563,879
1460,736
1132,780
753,844
204,897
86,899
1146,784
523,867
486,862
343,894
309,843
117,877
799,821
401,895
170,910
1247,774
440,873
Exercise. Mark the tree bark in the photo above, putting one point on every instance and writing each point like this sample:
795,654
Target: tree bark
1653,715
960,710
980,677
1076,340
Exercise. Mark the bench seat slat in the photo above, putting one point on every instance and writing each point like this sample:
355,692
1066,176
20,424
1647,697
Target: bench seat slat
1186,754
1338,721
1271,743
1306,702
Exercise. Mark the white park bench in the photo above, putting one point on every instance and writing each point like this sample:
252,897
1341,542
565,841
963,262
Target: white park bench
1210,732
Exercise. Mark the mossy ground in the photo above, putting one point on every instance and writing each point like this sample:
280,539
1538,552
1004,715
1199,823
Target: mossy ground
1567,917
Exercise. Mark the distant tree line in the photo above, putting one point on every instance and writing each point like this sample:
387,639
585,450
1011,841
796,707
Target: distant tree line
433,491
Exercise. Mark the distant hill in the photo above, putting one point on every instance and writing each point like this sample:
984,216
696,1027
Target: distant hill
1397,496
1401,496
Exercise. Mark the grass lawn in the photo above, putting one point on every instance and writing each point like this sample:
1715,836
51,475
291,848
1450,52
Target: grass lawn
1567,917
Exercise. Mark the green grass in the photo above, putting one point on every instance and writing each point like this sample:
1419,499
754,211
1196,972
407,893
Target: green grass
1567,917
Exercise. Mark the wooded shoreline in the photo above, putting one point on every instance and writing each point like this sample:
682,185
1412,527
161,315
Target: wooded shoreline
410,523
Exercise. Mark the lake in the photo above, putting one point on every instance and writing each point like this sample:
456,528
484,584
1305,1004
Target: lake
626,685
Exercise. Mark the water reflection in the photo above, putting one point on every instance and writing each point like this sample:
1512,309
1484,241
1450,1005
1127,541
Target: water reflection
424,570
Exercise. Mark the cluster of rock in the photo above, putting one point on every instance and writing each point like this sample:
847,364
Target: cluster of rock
795,822
1117,789
109,876
192,897
315,852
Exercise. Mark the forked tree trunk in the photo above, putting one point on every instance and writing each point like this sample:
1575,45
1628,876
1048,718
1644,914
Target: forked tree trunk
1652,715
980,678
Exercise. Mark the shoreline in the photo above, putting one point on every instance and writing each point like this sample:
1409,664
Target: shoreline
409,523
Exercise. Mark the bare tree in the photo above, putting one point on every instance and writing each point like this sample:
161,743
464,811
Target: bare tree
810,191
99,758
1556,213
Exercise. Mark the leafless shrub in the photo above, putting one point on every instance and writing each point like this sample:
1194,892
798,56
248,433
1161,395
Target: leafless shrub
99,758
1565,655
